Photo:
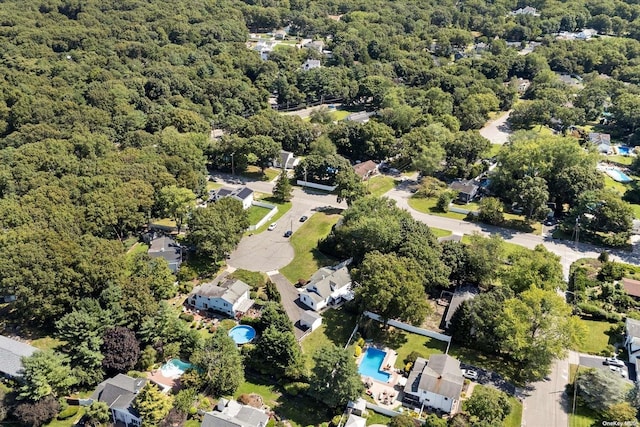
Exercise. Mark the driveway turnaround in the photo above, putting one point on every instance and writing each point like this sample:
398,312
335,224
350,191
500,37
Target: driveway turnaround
497,131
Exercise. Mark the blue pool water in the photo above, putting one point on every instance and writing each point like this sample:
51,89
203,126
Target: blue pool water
371,364
174,368
618,175
625,151
242,334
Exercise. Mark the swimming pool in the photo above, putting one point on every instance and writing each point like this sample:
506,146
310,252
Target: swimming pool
174,368
618,175
625,151
242,334
371,364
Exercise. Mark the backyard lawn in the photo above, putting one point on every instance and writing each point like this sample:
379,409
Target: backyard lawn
283,208
337,326
69,422
621,160
339,115
307,257
213,185
428,206
599,336
378,185
256,213
409,343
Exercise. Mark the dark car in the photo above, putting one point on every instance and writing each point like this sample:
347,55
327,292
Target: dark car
303,218
288,233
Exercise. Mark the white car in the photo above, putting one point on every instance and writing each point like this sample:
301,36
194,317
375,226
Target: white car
272,226
613,361
470,374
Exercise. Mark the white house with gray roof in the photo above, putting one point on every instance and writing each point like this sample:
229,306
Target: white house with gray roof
11,354
328,286
163,246
632,339
223,295
119,393
243,194
436,383
229,413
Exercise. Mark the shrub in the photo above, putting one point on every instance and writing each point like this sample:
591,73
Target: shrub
358,351
244,398
186,317
204,404
611,271
185,287
444,200
296,388
360,342
227,324
186,273
68,413
411,357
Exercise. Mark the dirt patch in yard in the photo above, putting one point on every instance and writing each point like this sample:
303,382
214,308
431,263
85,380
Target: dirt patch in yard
434,319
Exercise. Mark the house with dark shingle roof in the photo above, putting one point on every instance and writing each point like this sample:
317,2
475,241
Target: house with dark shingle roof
243,194
436,383
467,190
119,393
163,246
229,413
11,354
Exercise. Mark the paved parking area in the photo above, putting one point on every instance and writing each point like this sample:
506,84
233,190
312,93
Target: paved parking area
289,299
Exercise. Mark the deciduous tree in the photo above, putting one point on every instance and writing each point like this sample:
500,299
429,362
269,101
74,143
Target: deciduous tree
335,379
120,349
152,404
221,364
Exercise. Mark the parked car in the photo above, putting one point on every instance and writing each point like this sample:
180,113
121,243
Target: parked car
288,233
303,218
619,370
470,374
272,226
614,361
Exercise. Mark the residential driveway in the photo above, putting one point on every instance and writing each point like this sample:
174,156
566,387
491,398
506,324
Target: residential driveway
289,299
590,361
491,379
497,131
547,405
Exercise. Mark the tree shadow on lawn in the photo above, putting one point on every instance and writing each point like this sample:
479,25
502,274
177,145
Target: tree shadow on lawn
339,325
303,410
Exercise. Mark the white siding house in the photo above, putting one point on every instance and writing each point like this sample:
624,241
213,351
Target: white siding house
229,296
327,286
229,413
632,339
436,383
243,194
119,393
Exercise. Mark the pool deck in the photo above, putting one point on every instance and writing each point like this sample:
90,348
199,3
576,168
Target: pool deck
387,395
166,383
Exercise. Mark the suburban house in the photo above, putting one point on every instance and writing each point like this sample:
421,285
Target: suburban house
163,246
328,286
264,48
355,421
317,45
11,354
359,407
223,295
119,393
311,64
632,339
436,383
599,138
366,170
230,413
310,320
528,10
467,190
461,295
360,117
244,194
280,34
286,160
631,287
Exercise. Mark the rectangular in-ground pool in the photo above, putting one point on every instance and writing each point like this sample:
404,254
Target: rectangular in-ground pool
371,364
618,175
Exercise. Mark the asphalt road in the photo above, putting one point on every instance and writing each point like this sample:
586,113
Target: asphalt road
547,405
289,299
497,131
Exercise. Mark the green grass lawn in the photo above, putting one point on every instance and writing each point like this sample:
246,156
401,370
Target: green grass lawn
514,419
283,208
495,149
164,222
307,257
46,343
254,172
405,343
378,185
490,362
339,115
621,160
337,326
614,185
70,421
599,336
439,232
213,185
375,418
428,206
255,279
509,248
256,213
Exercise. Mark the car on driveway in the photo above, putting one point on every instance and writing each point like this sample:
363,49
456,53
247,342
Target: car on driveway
304,218
618,370
288,233
470,374
272,226
614,361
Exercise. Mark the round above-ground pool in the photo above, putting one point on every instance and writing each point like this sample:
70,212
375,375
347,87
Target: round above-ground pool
242,334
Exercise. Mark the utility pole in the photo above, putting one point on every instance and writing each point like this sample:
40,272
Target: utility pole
232,165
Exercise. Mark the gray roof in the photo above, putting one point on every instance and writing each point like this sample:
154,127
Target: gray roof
325,281
235,415
11,352
355,421
633,327
243,193
119,392
600,138
167,248
459,297
308,317
230,290
465,187
440,375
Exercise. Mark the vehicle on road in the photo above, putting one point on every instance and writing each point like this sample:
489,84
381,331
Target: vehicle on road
272,226
303,218
613,361
288,233
470,374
